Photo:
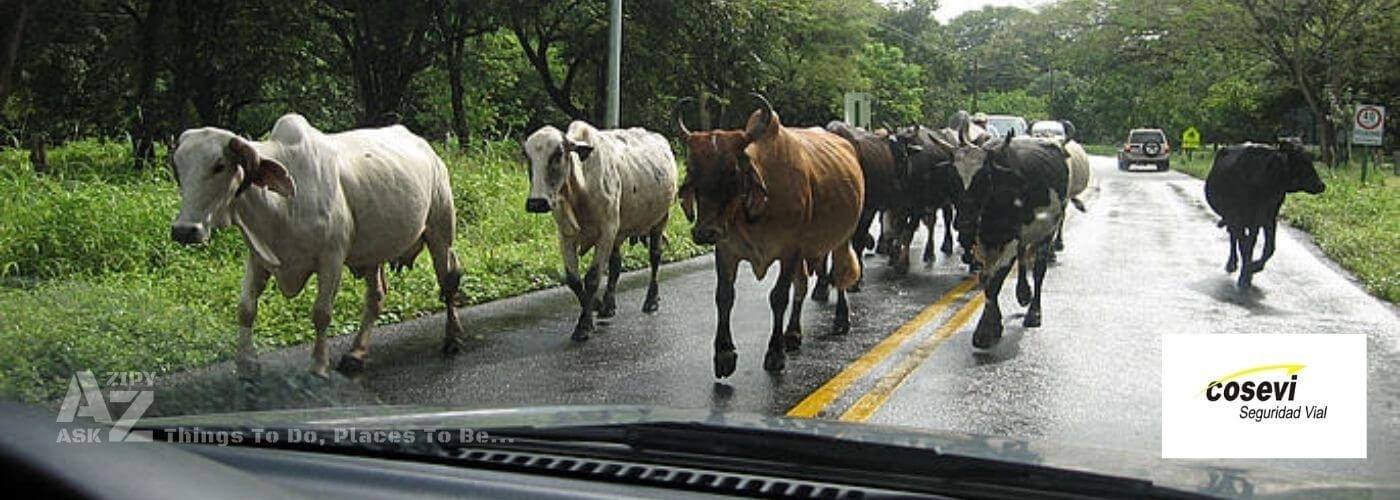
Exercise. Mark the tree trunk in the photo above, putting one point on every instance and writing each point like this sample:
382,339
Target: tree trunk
454,77
144,134
11,31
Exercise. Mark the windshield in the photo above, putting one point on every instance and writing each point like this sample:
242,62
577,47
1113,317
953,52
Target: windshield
1148,136
727,207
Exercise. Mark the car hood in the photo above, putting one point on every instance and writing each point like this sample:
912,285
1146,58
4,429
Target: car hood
1208,477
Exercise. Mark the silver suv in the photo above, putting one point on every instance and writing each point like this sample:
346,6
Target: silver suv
1145,146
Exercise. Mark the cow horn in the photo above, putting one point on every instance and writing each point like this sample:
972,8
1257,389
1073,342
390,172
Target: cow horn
680,118
962,133
766,117
943,144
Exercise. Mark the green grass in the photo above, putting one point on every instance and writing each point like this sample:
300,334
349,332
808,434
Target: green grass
90,280
1356,225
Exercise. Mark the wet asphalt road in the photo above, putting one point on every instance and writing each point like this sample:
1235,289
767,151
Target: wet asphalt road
1145,261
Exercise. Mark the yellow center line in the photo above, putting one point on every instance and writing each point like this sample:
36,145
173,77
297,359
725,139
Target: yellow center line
819,399
872,400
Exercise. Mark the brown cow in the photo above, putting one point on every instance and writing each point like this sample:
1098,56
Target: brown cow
771,193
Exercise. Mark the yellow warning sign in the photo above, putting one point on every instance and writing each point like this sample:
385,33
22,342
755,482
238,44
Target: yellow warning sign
1191,138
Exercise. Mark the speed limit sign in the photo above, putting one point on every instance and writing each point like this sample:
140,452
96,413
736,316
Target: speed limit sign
1368,126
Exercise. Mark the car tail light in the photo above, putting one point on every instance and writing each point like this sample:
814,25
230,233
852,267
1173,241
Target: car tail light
1127,148
1166,148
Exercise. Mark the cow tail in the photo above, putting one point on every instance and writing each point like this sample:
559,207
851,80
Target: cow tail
845,269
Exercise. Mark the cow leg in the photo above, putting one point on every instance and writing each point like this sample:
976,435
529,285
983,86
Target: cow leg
1023,285
1233,263
608,307
947,247
254,282
602,255
842,323
904,236
1060,235
1247,255
1269,230
327,284
651,304
792,337
353,362
449,278
822,291
989,328
776,358
930,221
726,266
568,249
1042,262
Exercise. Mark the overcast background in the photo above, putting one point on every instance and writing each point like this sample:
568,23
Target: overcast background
949,9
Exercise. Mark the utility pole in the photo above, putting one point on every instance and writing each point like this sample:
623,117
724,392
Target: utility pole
614,65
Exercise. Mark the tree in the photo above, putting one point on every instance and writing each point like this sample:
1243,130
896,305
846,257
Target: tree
150,25
1317,44
386,43
541,27
11,32
456,21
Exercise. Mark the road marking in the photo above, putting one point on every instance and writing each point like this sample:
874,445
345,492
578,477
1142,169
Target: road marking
818,400
873,399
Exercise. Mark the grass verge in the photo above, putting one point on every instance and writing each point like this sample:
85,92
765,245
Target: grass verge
90,280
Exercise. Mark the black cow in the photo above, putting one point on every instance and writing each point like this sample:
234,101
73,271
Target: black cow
1014,204
1246,187
931,183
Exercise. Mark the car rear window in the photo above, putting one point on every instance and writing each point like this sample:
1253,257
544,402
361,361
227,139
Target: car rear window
1141,137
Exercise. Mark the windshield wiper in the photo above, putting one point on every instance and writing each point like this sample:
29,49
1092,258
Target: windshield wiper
791,454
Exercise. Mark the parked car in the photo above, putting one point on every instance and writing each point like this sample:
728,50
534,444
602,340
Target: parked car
1145,146
998,125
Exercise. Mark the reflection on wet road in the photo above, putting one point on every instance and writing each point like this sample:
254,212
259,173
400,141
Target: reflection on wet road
1145,261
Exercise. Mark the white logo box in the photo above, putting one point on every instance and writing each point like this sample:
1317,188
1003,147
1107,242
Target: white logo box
1332,377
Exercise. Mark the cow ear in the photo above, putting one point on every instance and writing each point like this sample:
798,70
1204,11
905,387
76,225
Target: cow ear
756,196
582,148
687,197
273,176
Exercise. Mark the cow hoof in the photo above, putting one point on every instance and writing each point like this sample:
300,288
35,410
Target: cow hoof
986,335
841,326
928,256
1231,267
947,249
821,293
854,288
321,372
1059,245
775,360
724,363
1023,293
350,365
1032,319
792,340
581,333
651,305
452,346
1256,267
606,309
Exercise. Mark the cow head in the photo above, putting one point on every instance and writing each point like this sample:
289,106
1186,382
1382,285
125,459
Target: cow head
1001,206
213,167
553,157
722,184
1299,170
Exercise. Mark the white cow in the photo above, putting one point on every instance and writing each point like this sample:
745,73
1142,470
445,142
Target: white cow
309,202
604,187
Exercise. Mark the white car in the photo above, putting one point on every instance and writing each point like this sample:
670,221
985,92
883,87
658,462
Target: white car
1048,129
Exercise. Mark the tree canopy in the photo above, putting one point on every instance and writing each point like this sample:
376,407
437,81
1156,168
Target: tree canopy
147,69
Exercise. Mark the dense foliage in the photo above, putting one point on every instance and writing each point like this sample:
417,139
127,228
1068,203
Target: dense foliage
146,69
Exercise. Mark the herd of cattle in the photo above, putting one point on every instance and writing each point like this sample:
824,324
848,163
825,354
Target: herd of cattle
309,202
